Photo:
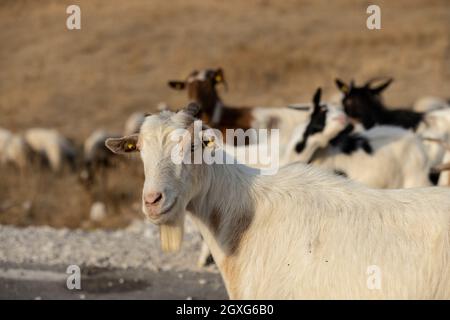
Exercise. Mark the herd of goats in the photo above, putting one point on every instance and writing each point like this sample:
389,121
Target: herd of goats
309,231
354,134
350,213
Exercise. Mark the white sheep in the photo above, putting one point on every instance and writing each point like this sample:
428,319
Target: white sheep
299,234
53,146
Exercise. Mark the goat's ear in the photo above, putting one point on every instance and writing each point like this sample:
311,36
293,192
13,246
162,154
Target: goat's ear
380,88
344,88
211,138
317,95
177,85
219,77
122,145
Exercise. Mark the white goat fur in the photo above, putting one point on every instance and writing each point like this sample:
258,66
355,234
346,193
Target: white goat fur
13,149
444,177
286,120
430,103
304,233
436,125
398,160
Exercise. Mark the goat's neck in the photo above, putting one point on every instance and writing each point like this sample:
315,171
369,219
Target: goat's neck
211,106
312,147
224,210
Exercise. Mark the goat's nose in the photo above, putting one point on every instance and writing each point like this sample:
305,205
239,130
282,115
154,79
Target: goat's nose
153,198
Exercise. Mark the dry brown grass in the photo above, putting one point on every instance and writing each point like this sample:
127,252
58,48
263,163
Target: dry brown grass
273,53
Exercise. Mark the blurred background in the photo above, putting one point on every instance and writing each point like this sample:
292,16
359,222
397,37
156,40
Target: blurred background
273,53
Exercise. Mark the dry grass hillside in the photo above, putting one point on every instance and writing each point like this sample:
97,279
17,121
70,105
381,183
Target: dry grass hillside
273,53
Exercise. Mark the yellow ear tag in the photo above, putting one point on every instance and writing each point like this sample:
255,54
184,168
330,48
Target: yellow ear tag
218,78
210,143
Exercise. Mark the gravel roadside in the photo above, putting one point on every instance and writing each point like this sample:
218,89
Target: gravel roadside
126,264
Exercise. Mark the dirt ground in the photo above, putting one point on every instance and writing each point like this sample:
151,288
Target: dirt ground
273,53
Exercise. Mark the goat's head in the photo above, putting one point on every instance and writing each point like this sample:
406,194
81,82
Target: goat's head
363,103
201,84
325,123
170,184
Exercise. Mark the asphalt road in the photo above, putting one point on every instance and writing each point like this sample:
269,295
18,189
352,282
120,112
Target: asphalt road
40,282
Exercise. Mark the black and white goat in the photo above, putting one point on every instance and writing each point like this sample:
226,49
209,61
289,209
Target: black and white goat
364,104
381,157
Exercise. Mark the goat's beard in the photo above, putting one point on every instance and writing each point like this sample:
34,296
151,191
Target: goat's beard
171,234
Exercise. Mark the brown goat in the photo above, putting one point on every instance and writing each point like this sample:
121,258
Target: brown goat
201,88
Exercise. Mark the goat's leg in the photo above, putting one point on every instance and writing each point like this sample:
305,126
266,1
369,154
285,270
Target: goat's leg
204,255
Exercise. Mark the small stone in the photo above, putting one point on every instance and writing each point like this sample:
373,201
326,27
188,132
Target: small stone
98,211
202,281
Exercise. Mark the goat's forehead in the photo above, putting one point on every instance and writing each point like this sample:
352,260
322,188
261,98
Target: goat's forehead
201,75
158,127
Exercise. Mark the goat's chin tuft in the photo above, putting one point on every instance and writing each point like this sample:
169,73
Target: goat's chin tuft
171,235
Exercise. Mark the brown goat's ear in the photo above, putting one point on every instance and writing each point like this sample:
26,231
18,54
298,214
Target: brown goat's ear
342,86
317,95
177,85
219,77
122,145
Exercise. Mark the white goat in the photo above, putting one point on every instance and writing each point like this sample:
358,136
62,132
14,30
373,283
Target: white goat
96,156
53,146
429,103
301,233
381,157
284,119
5,137
13,149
